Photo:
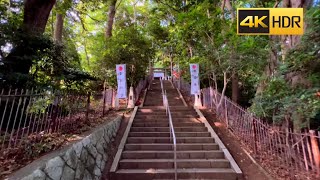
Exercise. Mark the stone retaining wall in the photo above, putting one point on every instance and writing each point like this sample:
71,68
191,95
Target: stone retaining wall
84,160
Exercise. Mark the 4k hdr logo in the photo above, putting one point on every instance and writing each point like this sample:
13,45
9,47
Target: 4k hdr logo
270,21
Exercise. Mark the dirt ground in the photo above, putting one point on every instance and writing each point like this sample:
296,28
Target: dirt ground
114,146
250,170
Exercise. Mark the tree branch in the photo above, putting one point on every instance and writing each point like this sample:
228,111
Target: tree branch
222,8
118,4
84,13
166,4
80,19
276,4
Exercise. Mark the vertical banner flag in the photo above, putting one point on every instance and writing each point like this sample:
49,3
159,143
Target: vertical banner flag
195,82
122,81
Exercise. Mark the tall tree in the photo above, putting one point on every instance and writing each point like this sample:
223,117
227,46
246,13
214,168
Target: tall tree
111,15
36,14
234,77
290,41
58,28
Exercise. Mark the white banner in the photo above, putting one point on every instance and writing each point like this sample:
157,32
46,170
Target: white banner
122,81
195,82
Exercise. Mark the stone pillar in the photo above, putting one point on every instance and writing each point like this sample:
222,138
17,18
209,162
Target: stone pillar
197,100
116,103
131,99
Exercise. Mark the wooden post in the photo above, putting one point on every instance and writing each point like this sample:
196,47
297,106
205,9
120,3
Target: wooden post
88,107
254,135
315,150
104,102
55,110
104,98
114,98
226,112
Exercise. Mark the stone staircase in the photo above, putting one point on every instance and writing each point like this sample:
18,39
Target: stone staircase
147,152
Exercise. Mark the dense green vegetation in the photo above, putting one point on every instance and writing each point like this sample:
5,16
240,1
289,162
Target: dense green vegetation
75,44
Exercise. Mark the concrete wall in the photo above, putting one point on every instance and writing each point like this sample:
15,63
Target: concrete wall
84,160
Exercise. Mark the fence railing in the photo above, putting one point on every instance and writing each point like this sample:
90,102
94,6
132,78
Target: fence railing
107,99
141,85
25,112
32,112
297,152
185,88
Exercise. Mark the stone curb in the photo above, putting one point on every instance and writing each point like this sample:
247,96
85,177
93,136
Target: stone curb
181,97
144,97
116,160
226,152
256,163
85,159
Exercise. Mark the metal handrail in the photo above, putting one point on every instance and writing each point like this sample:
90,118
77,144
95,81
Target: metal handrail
162,91
172,136
172,132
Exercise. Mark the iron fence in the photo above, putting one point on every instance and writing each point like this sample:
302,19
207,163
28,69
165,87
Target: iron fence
296,152
28,112
185,88
141,85
25,112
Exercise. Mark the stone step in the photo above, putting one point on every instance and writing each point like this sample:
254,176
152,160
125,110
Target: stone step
149,134
163,113
174,121
167,134
167,129
160,116
213,154
173,108
169,163
166,118
161,109
148,140
166,124
196,173
188,179
166,147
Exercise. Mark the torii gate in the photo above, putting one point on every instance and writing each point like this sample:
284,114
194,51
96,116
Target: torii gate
159,72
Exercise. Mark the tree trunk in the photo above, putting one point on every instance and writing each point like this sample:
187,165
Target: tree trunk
86,52
111,15
216,100
230,9
287,42
234,78
59,28
223,4
235,87
272,65
290,41
36,14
